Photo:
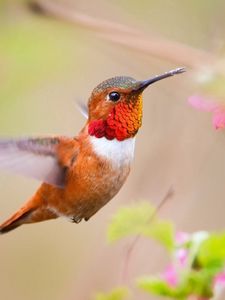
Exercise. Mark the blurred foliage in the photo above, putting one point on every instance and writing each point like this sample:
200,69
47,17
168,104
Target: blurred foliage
118,294
140,219
211,254
30,54
164,16
203,261
197,283
213,85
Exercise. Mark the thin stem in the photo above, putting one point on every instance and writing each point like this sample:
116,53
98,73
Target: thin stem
133,244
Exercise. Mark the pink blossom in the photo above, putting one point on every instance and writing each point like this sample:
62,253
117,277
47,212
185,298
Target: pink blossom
181,263
170,276
219,283
204,103
181,256
220,279
219,119
182,238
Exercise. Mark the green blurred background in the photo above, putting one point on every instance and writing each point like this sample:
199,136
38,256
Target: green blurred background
47,63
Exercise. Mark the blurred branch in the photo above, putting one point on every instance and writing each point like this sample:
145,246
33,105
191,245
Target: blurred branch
130,250
128,36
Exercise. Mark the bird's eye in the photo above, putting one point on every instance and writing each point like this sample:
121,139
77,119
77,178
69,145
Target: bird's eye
114,96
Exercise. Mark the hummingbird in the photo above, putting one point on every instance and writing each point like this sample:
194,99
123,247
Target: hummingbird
81,174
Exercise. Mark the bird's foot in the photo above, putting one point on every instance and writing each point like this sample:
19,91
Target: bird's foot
76,219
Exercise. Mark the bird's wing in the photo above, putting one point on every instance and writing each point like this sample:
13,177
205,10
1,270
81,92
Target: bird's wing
39,158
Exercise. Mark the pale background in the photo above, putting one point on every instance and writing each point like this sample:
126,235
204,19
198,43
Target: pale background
46,65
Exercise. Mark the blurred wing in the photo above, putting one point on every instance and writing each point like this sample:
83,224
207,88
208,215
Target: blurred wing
83,109
34,157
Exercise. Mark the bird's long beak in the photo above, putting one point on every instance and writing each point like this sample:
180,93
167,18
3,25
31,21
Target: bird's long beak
141,85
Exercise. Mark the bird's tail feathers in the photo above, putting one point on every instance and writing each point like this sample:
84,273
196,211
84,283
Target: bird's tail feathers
17,219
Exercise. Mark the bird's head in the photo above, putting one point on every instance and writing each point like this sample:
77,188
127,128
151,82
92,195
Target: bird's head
115,106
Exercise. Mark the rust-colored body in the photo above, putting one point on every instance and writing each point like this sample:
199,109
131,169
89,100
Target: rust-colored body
91,181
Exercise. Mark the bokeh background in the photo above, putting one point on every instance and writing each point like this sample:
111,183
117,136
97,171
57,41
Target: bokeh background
52,54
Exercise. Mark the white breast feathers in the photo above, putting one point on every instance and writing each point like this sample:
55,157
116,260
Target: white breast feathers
118,152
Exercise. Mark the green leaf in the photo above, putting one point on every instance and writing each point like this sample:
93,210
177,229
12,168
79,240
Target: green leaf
199,283
163,232
194,283
138,220
212,252
116,294
156,286
130,220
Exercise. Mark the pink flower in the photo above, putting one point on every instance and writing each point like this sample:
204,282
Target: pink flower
181,256
207,104
182,238
170,276
220,279
219,283
219,119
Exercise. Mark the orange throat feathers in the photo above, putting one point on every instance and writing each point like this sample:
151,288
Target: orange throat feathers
122,122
